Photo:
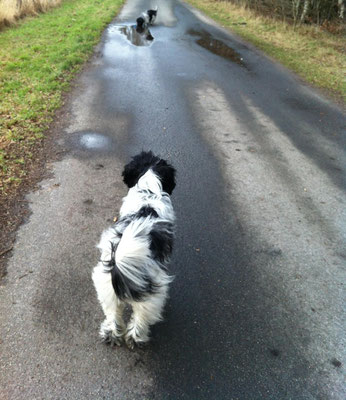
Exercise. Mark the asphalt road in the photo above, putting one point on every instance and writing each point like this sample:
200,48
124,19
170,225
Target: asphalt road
256,310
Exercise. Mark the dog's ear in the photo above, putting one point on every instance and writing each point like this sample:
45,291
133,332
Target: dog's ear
130,175
167,175
138,167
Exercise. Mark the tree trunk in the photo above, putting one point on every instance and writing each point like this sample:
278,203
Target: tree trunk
295,10
341,7
305,10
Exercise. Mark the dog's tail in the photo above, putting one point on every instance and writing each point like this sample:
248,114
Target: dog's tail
134,272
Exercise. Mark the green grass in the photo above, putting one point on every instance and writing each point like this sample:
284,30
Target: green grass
316,55
38,59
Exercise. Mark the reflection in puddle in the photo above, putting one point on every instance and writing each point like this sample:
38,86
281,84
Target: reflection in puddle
88,143
136,35
94,141
217,47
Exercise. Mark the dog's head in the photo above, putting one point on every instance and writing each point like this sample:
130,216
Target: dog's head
140,22
144,161
152,13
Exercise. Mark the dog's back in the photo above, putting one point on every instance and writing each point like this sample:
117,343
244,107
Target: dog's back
135,252
139,260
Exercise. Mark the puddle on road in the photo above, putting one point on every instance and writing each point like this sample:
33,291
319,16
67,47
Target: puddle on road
135,35
217,46
92,141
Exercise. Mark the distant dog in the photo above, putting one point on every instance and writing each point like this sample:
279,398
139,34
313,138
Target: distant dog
135,252
141,24
150,16
142,28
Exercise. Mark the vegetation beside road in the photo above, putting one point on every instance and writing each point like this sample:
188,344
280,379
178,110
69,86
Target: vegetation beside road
12,10
38,58
314,53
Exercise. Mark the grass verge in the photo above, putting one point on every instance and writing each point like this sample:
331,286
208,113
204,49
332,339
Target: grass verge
38,59
313,53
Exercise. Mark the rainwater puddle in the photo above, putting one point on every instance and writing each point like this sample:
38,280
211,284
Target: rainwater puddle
217,47
135,35
92,141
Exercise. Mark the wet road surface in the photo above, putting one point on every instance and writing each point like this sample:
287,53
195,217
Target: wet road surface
256,309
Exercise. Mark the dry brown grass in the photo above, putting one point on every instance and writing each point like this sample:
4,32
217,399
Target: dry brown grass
12,10
316,54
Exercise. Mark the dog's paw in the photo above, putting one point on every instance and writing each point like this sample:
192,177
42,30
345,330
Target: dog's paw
111,334
110,338
134,339
131,343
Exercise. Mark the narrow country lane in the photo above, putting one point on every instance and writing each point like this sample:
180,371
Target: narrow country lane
257,307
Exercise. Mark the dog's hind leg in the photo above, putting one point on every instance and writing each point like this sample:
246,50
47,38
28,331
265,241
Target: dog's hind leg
113,327
144,314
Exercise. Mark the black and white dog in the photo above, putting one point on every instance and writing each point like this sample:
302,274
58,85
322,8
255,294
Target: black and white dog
142,29
150,16
135,252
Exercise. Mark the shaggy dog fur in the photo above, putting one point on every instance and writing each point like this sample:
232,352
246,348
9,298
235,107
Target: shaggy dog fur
135,252
150,16
142,29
